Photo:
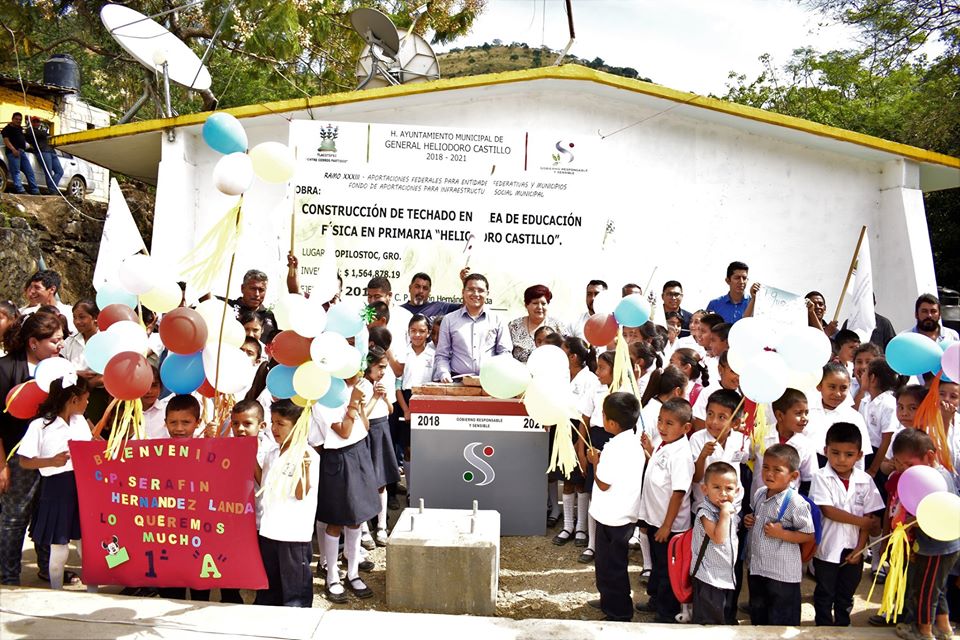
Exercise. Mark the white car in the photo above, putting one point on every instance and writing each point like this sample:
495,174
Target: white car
77,181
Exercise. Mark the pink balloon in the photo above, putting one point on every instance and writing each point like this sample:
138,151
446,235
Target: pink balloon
916,483
951,362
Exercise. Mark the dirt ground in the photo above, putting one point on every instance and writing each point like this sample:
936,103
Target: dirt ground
537,580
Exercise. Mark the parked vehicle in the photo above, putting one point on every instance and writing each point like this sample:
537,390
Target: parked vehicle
77,181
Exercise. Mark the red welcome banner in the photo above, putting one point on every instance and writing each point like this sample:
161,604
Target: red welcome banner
169,513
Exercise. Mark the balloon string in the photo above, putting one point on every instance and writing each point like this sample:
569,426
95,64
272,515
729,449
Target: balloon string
226,297
730,421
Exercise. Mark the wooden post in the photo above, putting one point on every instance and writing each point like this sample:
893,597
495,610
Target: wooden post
846,283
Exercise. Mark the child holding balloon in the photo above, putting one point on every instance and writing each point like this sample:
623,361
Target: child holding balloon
44,447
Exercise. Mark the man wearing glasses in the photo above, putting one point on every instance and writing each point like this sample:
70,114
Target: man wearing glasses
672,297
469,335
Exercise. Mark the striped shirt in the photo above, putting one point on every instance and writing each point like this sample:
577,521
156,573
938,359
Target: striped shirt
717,566
772,557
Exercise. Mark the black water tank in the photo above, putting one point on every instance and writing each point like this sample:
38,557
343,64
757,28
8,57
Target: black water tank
62,70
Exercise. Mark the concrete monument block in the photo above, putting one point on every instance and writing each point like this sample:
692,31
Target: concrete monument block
444,561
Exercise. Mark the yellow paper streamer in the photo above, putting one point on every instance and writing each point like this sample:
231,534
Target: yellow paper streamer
897,552
289,469
622,368
760,427
209,257
127,424
564,456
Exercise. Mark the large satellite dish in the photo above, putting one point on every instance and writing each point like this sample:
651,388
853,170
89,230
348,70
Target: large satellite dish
391,57
150,44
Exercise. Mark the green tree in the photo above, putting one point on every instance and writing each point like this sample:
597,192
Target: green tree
886,87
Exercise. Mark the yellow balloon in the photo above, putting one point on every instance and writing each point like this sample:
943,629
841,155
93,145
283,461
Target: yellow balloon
166,296
938,515
300,402
310,381
273,162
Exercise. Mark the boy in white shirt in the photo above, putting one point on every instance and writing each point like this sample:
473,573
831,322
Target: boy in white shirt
849,502
791,412
834,389
665,502
286,527
615,503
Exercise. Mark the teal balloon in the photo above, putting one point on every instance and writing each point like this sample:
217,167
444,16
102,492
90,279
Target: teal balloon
344,319
182,373
99,349
632,311
109,294
224,133
280,381
913,354
336,396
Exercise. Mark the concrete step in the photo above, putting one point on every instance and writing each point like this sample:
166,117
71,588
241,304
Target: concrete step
43,613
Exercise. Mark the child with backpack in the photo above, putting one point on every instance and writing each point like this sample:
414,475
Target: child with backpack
848,500
715,543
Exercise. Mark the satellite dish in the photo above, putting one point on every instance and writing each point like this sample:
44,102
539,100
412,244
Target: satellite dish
150,44
391,57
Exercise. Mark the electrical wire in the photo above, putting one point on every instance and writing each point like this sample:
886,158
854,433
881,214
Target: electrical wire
650,117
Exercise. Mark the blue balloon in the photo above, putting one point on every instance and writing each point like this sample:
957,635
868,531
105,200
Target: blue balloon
913,354
344,319
112,294
224,133
99,349
632,311
337,395
280,381
182,374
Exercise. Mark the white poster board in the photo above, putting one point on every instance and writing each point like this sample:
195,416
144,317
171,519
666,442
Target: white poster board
520,207
781,307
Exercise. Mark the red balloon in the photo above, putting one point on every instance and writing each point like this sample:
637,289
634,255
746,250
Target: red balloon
23,401
206,389
290,348
115,313
600,329
128,376
183,331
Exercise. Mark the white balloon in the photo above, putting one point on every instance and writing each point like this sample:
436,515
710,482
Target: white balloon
130,336
233,332
329,351
765,377
548,361
605,302
212,311
290,306
738,359
234,373
326,286
273,161
353,364
750,335
805,348
310,319
163,297
50,369
233,174
138,273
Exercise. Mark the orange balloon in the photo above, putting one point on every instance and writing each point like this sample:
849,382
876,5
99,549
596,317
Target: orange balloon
600,329
183,331
24,400
115,313
290,348
128,376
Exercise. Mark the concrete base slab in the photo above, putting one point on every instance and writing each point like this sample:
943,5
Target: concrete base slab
43,613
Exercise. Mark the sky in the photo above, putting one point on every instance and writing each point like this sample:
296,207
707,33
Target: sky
690,45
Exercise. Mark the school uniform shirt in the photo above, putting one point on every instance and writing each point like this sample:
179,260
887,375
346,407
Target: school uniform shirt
65,310
332,439
820,419
716,568
648,421
575,328
285,518
669,469
73,350
734,452
953,441
592,405
687,342
772,557
417,367
399,327
620,466
47,440
264,446
584,384
154,426
803,446
644,380
380,409
858,497
880,414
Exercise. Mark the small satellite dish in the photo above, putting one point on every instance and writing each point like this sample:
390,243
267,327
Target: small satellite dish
150,44
392,57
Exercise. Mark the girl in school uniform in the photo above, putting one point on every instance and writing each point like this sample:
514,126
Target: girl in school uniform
645,360
44,447
583,384
348,493
691,363
417,370
377,411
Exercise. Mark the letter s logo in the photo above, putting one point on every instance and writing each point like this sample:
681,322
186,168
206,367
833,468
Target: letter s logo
478,463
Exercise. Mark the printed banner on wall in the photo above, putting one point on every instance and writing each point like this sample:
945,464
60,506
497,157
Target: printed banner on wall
169,513
392,200
782,307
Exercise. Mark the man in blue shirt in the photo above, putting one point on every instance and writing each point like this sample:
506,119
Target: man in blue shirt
470,335
731,306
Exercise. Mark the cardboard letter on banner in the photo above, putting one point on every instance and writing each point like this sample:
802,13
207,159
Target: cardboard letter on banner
169,513
781,307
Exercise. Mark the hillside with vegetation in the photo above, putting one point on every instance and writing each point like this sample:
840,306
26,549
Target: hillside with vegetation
497,57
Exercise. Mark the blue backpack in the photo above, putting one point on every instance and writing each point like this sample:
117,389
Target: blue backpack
807,549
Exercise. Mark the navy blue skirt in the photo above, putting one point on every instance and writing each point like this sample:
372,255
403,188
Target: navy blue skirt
598,437
382,453
348,494
57,517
